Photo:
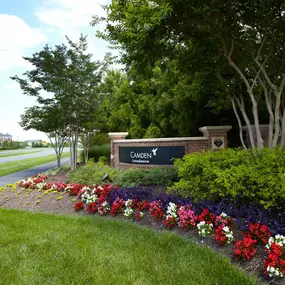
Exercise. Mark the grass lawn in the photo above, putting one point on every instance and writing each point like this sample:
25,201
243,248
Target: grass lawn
56,249
17,153
15,166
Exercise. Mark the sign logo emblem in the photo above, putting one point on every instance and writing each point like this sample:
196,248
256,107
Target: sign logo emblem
154,150
218,142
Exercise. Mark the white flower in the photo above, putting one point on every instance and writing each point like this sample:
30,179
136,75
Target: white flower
226,229
171,211
128,212
204,229
40,185
128,202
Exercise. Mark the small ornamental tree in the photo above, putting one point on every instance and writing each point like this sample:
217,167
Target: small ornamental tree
69,75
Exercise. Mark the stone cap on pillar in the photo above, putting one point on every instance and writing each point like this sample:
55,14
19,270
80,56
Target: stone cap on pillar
214,129
118,135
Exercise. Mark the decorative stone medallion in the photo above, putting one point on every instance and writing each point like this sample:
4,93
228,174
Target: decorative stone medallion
218,142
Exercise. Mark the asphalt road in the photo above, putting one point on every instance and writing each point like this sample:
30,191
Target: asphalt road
14,177
44,152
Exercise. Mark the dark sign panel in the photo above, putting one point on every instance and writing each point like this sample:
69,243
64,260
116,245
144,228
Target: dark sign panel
160,155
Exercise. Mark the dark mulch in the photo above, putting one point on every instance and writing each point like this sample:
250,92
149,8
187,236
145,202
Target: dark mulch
51,203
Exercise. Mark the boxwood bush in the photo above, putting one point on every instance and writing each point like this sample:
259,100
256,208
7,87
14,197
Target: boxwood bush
235,174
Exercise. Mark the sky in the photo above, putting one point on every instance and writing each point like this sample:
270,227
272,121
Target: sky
25,27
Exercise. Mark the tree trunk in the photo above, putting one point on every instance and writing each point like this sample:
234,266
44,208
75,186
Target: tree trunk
87,147
247,122
73,147
239,123
259,140
271,118
282,143
57,146
249,88
277,120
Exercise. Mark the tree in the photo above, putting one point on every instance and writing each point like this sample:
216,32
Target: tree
70,76
51,121
247,36
161,102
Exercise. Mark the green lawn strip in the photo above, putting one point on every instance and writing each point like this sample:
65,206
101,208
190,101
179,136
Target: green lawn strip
59,249
15,166
17,153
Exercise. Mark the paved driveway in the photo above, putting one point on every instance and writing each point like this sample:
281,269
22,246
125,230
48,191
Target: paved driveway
14,177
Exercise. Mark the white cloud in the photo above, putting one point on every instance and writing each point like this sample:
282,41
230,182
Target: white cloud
15,37
72,18
70,13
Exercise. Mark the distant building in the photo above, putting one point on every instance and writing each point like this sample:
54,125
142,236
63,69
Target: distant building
5,137
30,142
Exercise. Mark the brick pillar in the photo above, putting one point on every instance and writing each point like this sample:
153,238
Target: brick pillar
264,129
115,136
217,136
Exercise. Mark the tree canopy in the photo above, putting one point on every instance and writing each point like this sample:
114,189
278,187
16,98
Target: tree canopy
239,44
71,78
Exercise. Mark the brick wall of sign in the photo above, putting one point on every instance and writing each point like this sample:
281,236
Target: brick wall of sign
215,137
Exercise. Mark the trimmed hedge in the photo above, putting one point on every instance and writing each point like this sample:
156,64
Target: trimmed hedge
234,174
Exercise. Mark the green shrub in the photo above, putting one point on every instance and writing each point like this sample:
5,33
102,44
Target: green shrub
100,138
258,178
96,151
92,173
154,176
102,159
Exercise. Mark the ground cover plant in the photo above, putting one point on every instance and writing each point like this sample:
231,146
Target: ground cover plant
49,249
14,166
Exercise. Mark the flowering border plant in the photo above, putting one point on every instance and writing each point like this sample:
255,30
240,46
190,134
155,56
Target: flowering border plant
274,263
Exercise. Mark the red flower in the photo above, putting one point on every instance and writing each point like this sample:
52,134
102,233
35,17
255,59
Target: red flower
117,207
170,222
143,205
78,206
155,209
206,216
259,232
220,236
92,208
246,248
138,216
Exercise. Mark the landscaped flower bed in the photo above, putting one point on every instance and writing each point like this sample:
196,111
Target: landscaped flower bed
205,218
